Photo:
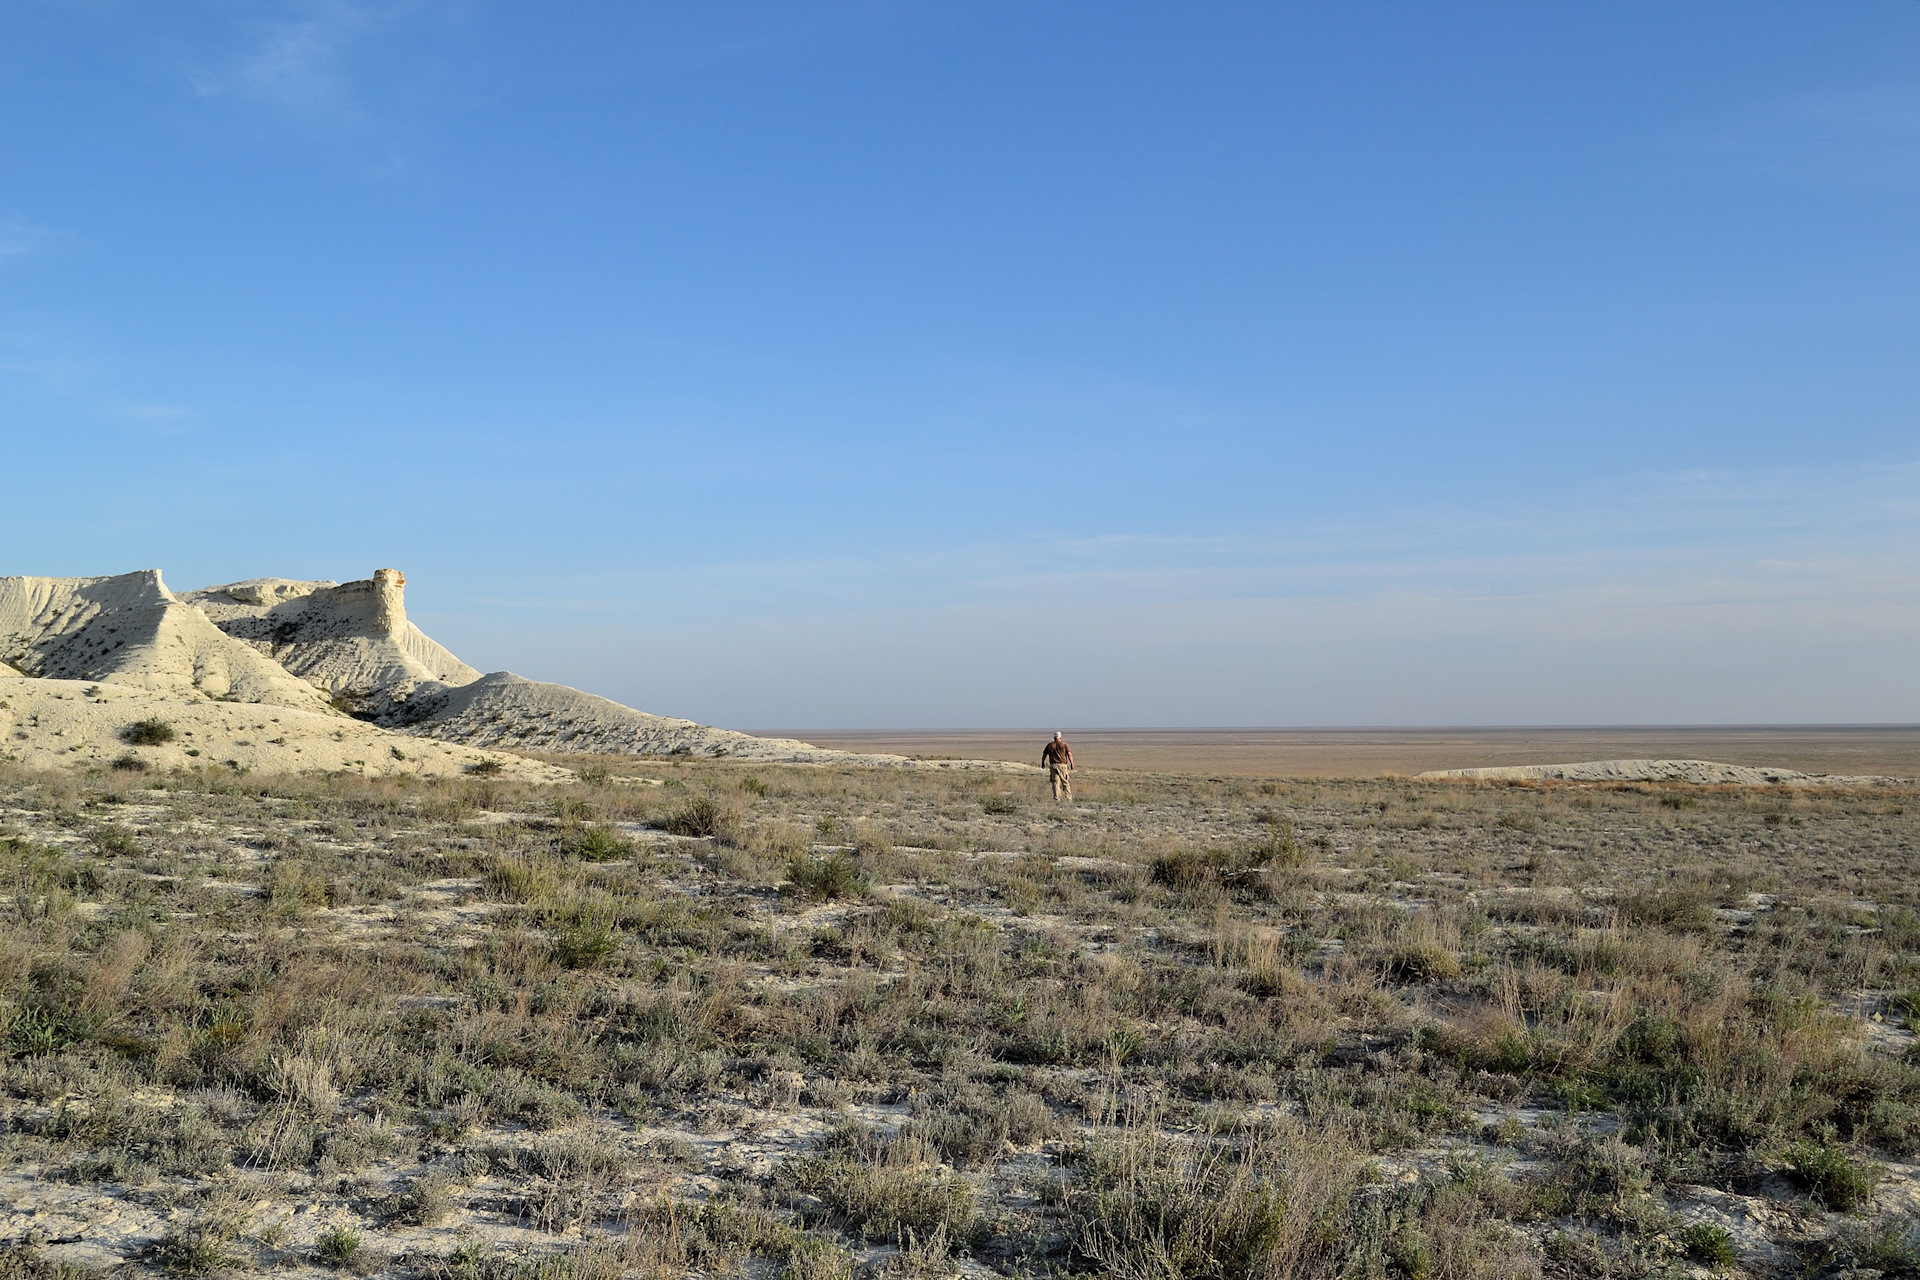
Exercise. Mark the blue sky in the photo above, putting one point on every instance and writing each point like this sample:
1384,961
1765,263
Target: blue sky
884,364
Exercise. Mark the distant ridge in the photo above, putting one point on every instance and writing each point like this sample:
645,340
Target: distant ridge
1698,772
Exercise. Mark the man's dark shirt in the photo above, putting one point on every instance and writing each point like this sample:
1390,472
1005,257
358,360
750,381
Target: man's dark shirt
1056,752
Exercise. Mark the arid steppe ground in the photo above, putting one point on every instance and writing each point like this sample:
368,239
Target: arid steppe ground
703,1017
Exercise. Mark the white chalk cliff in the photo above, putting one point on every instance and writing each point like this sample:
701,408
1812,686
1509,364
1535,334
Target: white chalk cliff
131,630
351,640
350,677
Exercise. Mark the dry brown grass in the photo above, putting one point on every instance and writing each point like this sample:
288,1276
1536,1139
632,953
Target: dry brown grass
1187,1027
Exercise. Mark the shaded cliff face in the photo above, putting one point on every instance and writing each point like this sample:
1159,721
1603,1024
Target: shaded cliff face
129,629
352,639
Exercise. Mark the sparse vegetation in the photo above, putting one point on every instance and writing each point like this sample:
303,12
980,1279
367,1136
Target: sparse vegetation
1186,1028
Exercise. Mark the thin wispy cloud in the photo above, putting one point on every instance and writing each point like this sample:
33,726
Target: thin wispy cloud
1671,541
298,66
164,420
1866,136
18,240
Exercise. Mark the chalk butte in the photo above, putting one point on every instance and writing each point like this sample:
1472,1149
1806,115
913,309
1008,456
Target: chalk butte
1700,772
48,724
352,640
343,653
131,630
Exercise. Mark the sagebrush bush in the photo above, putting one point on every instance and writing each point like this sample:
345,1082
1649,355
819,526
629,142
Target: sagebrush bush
703,817
1708,1245
834,876
1273,1206
1423,961
586,944
1833,1176
336,1246
883,1197
151,732
596,843
197,1250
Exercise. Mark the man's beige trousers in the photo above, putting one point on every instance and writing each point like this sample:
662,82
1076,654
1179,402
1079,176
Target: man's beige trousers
1062,779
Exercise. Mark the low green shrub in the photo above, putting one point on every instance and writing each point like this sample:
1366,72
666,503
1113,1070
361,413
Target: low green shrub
703,817
1708,1245
337,1245
1890,1248
36,1031
522,879
1276,1205
593,844
834,876
196,1250
586,944
1832,1176
881,1199
1423,961
151,732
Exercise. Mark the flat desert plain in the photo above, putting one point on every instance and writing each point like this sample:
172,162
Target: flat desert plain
1373,753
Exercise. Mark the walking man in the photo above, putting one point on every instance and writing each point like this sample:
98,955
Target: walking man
1058,757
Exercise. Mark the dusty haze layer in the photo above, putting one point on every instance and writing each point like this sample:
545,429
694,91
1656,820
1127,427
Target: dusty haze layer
1377,752
1691,772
